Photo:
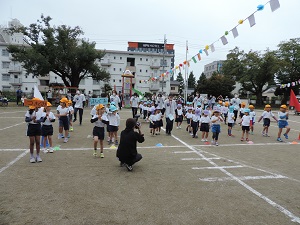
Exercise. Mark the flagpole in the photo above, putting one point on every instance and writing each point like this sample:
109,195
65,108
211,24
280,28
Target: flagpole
186,72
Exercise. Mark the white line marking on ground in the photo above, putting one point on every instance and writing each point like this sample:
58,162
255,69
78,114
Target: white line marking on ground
12,126
191,159
213,179
293,217
183,152
12,112
14,161
216,167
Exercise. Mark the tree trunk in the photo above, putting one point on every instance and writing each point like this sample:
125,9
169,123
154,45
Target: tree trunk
259,100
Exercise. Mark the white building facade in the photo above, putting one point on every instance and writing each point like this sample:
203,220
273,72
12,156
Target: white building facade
210,68
146,64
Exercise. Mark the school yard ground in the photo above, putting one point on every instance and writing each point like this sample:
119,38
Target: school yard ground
185,181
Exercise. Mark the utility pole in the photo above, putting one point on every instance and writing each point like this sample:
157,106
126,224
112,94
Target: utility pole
186,72
163,77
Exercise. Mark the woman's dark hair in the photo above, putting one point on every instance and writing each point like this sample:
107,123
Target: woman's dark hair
130,123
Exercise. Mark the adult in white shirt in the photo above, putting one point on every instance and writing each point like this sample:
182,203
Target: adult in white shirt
134,102
115,98
79,100
170,106
236,104
160,103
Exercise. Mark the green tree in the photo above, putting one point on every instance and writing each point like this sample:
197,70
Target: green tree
201,84
179,78
255,71
106,88
191,80
216,85
289,55
59,50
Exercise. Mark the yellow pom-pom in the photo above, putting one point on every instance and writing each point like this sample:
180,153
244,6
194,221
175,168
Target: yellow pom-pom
206,47
241,21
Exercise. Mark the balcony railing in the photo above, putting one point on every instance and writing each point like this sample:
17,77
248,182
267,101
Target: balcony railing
105,62
15,69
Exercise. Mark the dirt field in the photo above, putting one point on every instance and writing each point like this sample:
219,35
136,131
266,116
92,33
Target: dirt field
183,182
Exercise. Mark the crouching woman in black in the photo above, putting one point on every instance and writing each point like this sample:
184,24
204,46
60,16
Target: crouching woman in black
127,152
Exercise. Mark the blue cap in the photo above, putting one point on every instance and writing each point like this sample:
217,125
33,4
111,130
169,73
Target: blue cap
113,108
247,110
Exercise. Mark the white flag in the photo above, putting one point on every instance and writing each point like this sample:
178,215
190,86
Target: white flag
212,48
235,32
274,5
206,52
224,40
251,20
37,93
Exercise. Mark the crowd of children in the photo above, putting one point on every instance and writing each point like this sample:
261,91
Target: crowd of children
197,117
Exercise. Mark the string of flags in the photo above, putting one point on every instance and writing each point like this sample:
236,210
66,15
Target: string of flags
274,5
291,84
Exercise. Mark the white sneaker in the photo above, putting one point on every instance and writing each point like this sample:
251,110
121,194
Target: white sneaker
202,140
51,150
32,160
191,134
66,140
217,144
206,140
179,127
38,159
212,142
44,150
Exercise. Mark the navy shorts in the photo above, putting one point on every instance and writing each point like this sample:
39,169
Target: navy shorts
34,130
99,132
266,122
179,118
204,127
113,128
47,130
64,121
230,124
188,120
245,128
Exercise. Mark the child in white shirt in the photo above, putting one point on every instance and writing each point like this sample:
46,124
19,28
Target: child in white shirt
189,116
266,116
216,120
204,125
230,120
47,128
195,122
253,118
246,119
283,117
114,122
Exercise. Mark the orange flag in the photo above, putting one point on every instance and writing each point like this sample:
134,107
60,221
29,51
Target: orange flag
199,56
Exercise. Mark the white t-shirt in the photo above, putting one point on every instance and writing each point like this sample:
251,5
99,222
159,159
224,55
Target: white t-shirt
99,123
196,118
158,116
160,102
179,112
246,120
37,114
236,103
50,117
152,118
170,107
230,117
216,122
282,116
224,109
114,119
134,101
63,111
189,115
79,99
252,115
204,119
267,115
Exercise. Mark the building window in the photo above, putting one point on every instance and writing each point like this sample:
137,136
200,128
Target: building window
147,60
120,58
120,69
140,71
5,88
114,69
172,88
5,52
141,59
114,80
5,65
96,82
32,76
213,66
114,57
96,92
120,81
5,77
146,71
26,89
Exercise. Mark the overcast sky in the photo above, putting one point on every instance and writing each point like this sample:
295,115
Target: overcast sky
112,23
